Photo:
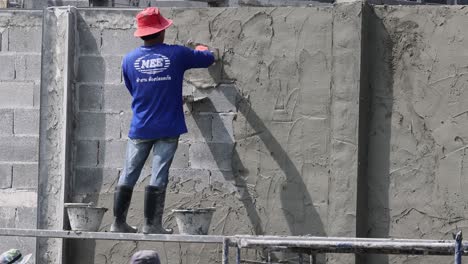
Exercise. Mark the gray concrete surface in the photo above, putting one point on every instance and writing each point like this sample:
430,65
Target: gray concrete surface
284,142
20,52
417,174
56,119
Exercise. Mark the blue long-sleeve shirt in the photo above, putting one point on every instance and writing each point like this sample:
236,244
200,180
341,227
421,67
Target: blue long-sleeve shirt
154,76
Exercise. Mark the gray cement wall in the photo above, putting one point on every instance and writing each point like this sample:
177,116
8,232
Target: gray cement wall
281,145
417,173
260,149
20,67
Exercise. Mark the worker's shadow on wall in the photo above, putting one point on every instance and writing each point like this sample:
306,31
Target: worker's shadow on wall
295,190
89,134
380,74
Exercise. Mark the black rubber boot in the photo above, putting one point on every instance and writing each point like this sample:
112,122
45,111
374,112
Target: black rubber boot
155,199
122,198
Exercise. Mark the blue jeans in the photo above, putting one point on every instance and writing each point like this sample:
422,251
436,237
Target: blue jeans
138,151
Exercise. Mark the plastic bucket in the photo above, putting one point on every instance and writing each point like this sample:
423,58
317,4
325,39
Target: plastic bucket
85,217
194,221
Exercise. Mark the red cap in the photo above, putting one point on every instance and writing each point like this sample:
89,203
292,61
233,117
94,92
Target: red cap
150,21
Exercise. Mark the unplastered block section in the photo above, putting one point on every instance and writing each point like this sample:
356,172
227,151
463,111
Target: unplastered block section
98,125
217,156
112,153
7,67
181,158
26,218
90,97
222,128
116,98
25,176
28,67
26,121
5,176
199,127
94,180
87,153
220,99
16,94
127,42
25,39
6,122
19,149
91,69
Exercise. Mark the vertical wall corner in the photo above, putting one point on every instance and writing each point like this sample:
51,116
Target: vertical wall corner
58,52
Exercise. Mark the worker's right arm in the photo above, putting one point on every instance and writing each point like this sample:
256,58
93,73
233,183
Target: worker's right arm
197,58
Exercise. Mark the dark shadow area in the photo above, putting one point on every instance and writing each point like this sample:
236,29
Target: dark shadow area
379,60
292,193
88,173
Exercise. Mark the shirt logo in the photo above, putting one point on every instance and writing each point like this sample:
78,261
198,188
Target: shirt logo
152,63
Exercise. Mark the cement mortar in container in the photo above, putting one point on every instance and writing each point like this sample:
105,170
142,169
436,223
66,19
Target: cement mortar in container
85,217
194,221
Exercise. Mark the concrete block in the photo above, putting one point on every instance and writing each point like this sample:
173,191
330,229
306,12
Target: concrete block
37,95
188,180
7,216
116,98
125,121
19,149
181,158
220,99
199,127
16,94
6,122
25,176
124,37
87,153
112,153
5,176
18,199
4,39
222,128
213,156
26,218
25,39
90,97
28,67
95,68
7,67
89,38
94,180
26,122
113,66
91,69
98,126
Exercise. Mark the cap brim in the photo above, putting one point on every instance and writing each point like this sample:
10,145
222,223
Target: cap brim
146,31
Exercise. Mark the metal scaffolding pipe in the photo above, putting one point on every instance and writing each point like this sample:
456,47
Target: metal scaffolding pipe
346,245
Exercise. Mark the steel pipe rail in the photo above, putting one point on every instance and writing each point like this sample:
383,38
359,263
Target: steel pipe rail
347,245
110,236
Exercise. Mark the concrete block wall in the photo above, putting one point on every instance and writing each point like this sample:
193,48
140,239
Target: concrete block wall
249,151
20,60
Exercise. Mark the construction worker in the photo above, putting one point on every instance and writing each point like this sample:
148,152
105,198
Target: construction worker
145,257
14,256
153,74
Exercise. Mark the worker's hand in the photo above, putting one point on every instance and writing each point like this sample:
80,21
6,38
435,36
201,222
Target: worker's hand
201,47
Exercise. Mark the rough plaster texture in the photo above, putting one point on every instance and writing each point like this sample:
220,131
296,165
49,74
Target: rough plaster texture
56,116
20,53
417,149
281,111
